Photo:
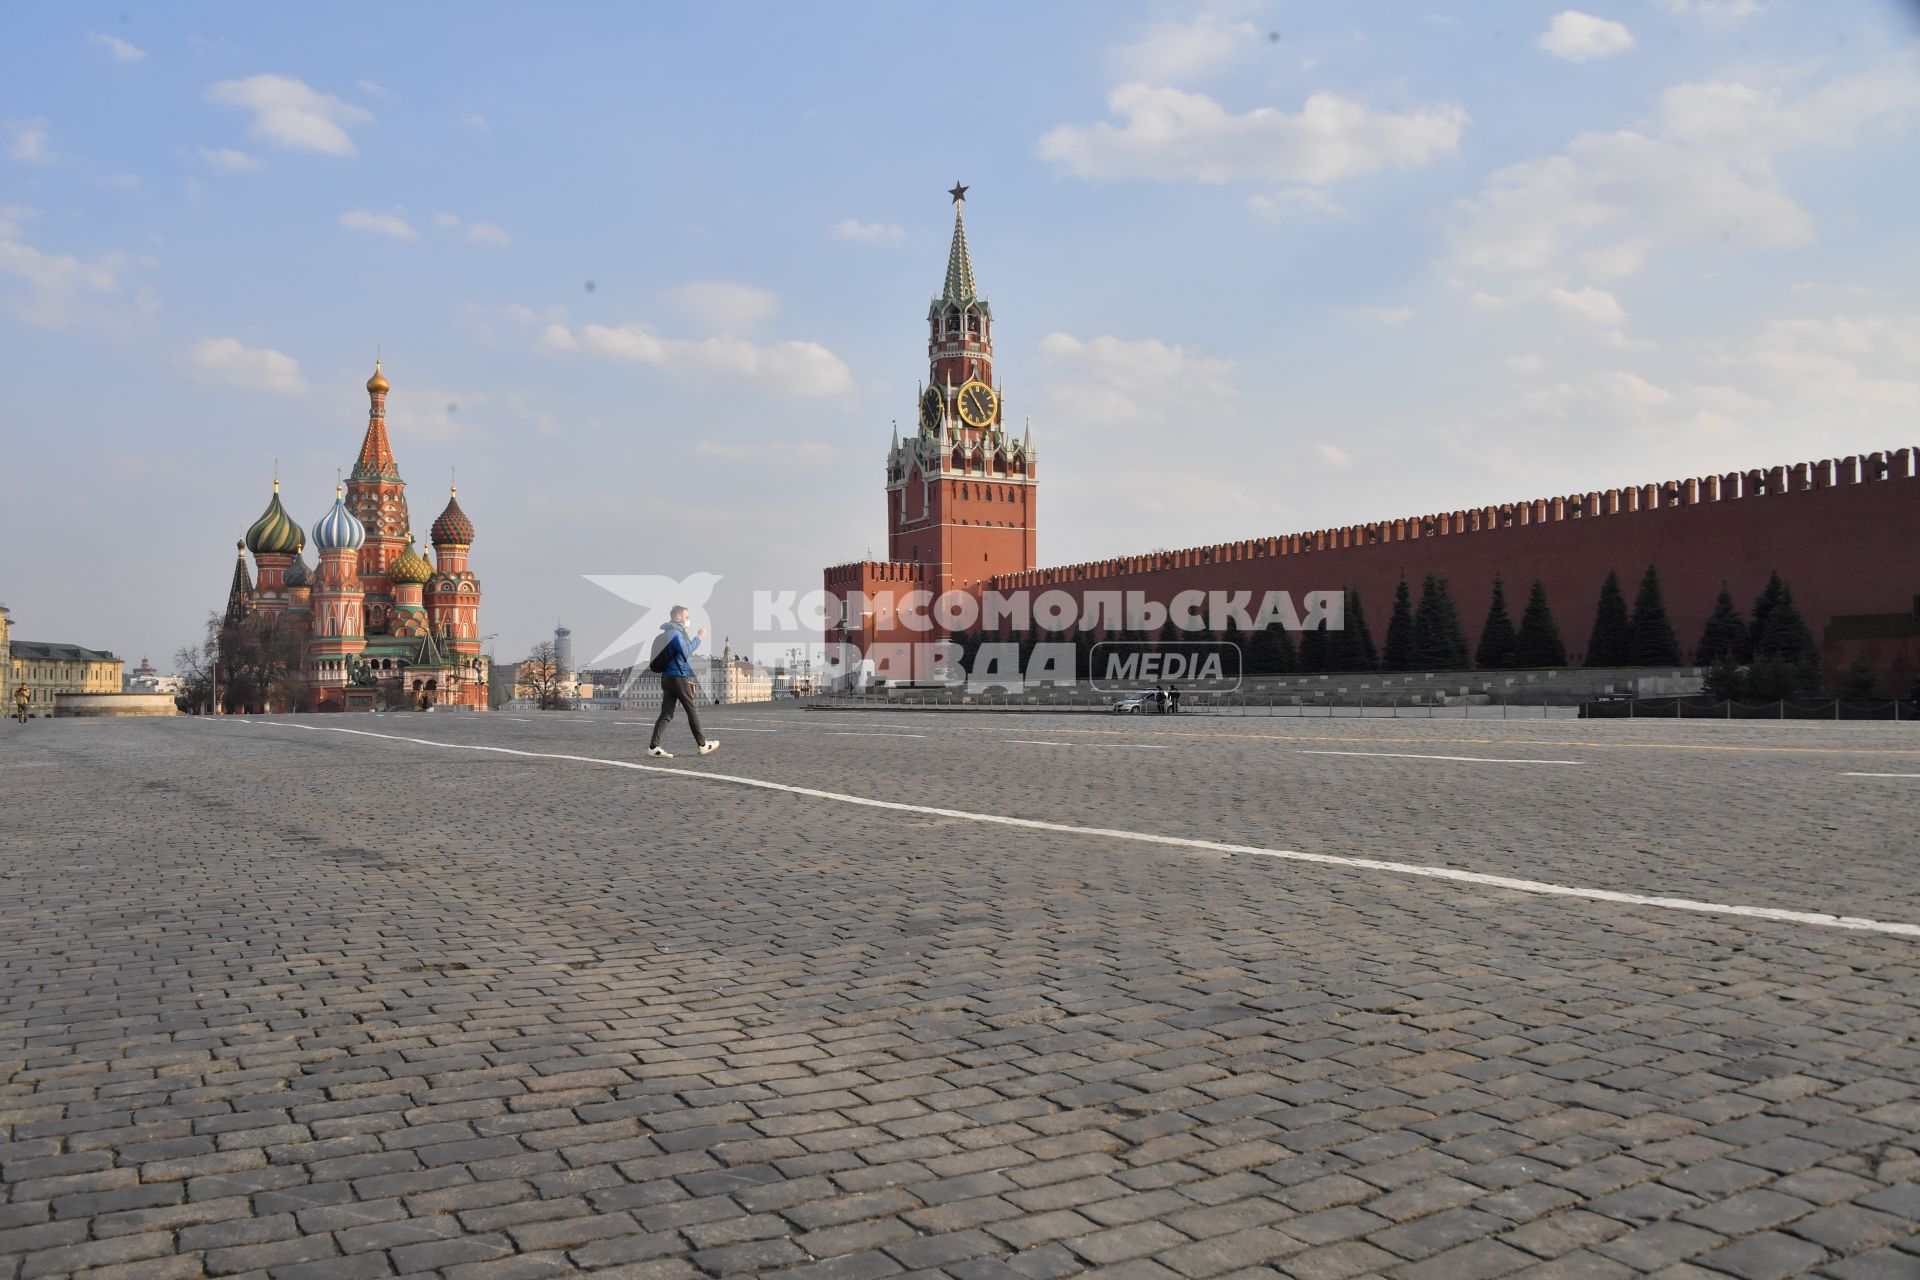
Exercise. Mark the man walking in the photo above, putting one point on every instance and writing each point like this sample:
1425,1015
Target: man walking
20,700
676,683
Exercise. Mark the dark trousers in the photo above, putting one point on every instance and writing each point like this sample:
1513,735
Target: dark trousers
676,689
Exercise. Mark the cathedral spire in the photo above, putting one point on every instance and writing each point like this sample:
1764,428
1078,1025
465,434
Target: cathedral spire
376,453
240,594
959,286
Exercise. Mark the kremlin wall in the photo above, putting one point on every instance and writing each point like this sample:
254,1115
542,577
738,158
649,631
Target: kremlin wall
1844,533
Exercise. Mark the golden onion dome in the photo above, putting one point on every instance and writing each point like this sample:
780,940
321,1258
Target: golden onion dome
378,382
409,566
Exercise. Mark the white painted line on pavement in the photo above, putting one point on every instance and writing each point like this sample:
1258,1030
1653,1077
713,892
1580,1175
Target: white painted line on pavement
857,733
1105,746
1880,775
1816,918
521,719
1411,755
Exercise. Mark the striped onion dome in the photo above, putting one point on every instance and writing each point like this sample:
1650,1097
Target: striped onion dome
409,566
452,528
299,573
339,529
275,533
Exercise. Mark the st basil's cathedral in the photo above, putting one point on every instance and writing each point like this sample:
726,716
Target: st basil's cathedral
372,623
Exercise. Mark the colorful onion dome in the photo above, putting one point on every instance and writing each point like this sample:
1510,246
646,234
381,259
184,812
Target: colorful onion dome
339,529
275,533
409,567
452,528
378,382
299,573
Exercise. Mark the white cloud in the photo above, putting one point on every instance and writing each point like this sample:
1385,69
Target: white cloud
1528,363
288,114
1121,381
868,232
229,362
1172,51
1838,365
384,224
1622,395
1581,37
1391,316
807,455
1171,135
1596,306
1334,456
1487,301
27,141
722,306
1292,202
487,233
795,368
227,160
1701,174
120,49
1715,11
477,122
57,290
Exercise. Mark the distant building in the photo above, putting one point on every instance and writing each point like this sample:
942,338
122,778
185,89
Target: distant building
732,679
51,669
144,679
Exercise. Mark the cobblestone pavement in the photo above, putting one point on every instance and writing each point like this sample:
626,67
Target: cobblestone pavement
278,1000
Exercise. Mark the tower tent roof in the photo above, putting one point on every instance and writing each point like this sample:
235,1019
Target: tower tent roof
242,588
376,452
959,285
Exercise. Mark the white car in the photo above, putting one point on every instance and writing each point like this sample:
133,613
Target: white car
1145,702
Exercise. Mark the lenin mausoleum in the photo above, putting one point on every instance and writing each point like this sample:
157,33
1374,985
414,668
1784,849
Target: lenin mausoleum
961,489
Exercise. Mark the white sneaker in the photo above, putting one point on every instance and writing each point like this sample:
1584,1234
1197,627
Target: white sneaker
660,753
708,747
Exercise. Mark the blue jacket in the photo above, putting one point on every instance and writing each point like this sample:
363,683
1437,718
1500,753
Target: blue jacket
683,648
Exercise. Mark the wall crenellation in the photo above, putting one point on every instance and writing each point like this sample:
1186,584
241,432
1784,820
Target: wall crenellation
1778,481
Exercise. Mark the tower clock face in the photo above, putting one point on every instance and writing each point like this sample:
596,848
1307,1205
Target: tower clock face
930,409
977,403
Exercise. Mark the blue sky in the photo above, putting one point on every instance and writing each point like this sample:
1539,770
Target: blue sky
1256,268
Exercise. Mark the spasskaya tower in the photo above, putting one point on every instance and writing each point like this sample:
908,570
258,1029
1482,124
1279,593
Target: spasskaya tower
961,487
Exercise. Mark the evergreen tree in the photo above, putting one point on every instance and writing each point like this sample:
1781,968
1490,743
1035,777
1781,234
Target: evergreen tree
1609,644
1789,643
1725,679
1497,637
1762,609
1459,648
1315,649
1271,651
1725,633
1439,641
1538,643
1232,634
1170,633
1398,655
1650,638
1861,684
1351,647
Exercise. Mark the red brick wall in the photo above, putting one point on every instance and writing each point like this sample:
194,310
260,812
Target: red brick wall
1849,547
